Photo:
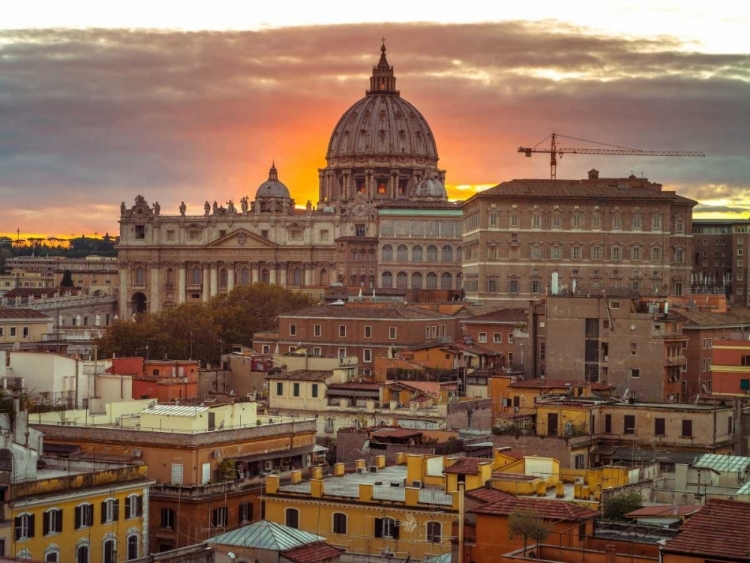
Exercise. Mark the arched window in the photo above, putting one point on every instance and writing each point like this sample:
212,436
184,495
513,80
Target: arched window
459,281
416,280
447,253
82,553
446,281
432,253
432,280
223,277
297,276
52,553
140,276
195,276
265,276
354,254
402,253
434,532
109,550
387,252
339,523
132,546
401,280
244,276
292,518
324,277
416,253
387,280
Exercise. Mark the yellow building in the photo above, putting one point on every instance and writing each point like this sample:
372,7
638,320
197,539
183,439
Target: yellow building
22,326
82,512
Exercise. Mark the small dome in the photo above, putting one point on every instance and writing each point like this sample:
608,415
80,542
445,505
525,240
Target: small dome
429,187
272,187
329,209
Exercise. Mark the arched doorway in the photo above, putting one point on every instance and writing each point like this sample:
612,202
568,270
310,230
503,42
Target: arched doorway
138,303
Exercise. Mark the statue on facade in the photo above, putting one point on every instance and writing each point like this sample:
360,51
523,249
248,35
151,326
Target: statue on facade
59,320
183,208
230,208
243,205
97,320
157,208
123,209
77,320
272,206
215,207
207,208
285,207
308,205
256,207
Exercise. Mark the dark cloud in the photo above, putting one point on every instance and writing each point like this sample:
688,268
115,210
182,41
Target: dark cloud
91,117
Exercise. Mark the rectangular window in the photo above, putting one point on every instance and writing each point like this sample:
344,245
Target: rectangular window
687,428
342,353
245,512
84,516
730,425
510,338
555,253
342,331
24,526
339,523
292,330
633,349
368,332
279,388
314,390
392,332
367,355
659,427
295,389
628,424
635,373
324,234
482,337
134,506
497,337
111,508
140,232
219,519
317,330
493,219
12,331
576,253
25,330
52,522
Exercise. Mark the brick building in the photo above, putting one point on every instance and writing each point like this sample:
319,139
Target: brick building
163,380
366,331
719,261
497,331
524,238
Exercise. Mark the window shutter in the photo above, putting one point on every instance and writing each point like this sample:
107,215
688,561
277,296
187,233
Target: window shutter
378,527
104,511
116,510
18,527
395,529
78,517
45,522
139,505
59,524
31,518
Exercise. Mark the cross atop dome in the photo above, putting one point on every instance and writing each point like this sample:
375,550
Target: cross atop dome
383,81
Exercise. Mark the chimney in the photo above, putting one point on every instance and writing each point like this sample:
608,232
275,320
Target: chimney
593,174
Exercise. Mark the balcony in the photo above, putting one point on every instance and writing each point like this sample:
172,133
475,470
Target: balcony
675,360
195,287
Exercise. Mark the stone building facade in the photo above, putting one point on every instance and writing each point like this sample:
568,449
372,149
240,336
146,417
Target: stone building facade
525,238
383,219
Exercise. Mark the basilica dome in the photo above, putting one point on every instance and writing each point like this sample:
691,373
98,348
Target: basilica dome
272,187
381,148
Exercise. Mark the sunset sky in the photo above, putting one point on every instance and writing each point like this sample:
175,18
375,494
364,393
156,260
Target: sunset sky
101,101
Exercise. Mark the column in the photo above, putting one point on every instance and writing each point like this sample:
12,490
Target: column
308,273
214,286
230,276
271,272
154,293
181,281
254,268
206,283
124,285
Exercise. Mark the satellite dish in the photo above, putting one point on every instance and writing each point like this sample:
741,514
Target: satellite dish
152,404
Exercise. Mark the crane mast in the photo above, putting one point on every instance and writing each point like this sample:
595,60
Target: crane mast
554,150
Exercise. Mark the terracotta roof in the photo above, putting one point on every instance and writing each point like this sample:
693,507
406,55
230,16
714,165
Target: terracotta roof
664,511
301,375
312,553
598,189
22,314
487,495
734,317
719,529
546,509
396,433
466,465
515,454
356,385
396,312
539,383
477,349
500,316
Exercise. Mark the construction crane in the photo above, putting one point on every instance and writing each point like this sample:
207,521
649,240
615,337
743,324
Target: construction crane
554,150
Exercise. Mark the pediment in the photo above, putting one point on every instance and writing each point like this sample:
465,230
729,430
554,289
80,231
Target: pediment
242,238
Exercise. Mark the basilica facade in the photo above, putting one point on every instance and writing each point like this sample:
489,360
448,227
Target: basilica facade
382,220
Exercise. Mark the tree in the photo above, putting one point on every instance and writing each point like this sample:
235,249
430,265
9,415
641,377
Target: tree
617,506
67,279
527,525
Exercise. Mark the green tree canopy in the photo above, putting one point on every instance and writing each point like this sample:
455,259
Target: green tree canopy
202,331
527,525
617,506
67,279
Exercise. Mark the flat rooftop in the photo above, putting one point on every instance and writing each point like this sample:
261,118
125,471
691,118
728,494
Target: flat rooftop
348,486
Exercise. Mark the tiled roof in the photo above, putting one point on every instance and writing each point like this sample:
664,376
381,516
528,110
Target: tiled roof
396,433
720,529
539,383
301,375
487,495
466,465
500,316
664,511
312,553
601,188
734,317
398,312
546,509
22,314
